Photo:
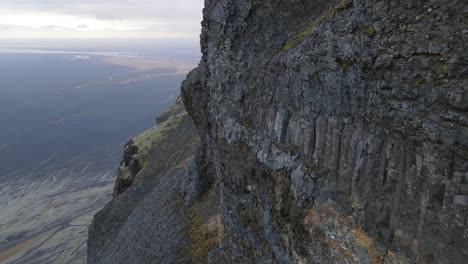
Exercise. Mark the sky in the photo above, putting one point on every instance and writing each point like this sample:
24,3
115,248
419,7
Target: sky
29,19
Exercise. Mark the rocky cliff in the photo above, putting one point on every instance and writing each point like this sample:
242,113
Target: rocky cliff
329,132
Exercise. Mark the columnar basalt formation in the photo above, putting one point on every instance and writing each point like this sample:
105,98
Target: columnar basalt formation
330,132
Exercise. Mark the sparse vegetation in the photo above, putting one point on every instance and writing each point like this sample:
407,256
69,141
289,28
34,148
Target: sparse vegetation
251,217
345,63
204,229
420,81
146,140
299,38
202,239
371,32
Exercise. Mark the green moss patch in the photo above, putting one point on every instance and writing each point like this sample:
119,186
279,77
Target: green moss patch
204,229
148,139
202,239
344,63
370,31
420,81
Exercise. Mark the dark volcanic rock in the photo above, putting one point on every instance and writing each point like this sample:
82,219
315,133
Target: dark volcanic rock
146,221
325,110
132,164
331,132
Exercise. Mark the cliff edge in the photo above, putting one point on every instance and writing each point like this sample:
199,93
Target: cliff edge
322,132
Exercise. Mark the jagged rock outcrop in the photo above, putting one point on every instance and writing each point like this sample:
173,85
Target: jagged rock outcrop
146,221
330,132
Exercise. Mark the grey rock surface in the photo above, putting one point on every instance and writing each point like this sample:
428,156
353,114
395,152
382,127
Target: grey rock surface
351,107
146,221
331,132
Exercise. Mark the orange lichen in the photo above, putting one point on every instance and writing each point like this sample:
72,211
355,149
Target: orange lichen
362,239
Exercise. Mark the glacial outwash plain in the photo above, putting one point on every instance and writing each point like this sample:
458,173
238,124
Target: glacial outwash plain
62,130
310,132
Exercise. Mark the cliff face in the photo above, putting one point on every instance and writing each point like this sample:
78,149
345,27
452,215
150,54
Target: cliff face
338,129
331,132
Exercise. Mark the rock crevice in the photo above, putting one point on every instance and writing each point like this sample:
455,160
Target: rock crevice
319,111
329,132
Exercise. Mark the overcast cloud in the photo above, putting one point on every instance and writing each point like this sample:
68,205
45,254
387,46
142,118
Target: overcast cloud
100,18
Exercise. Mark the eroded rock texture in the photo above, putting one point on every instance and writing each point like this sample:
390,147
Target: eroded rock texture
338,129
330,132
146,221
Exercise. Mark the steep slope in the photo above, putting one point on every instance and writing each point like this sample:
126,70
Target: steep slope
330,132
144,222
338,129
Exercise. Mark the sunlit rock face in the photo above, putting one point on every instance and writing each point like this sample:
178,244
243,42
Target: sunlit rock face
331,132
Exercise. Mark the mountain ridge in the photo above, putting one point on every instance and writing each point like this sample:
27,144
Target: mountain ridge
327,133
